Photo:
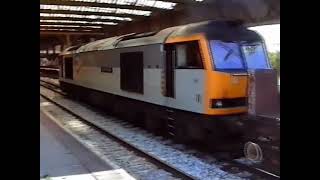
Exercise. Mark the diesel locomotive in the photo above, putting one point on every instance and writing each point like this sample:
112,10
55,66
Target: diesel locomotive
190,81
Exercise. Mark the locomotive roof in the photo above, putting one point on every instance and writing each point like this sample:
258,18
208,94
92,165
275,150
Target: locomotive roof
69,50
115,42
223,29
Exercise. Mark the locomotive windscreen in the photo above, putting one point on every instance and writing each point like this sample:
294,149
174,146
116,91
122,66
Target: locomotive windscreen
239,55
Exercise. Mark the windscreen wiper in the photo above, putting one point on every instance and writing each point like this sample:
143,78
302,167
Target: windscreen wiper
230,51
228,54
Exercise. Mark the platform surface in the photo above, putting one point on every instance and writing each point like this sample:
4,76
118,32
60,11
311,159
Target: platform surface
63,157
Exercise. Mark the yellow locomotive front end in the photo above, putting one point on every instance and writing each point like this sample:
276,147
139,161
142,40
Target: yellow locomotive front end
227,76
225,93
228,53
227,57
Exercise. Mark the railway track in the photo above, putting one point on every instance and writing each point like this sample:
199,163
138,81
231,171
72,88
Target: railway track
209,167
51,72
140,164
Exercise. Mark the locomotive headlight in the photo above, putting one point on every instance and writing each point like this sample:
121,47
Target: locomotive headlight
228,103
218,104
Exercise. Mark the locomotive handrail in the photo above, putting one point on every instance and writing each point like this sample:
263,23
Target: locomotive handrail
239,74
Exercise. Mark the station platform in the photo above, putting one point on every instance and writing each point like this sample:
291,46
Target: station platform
63,157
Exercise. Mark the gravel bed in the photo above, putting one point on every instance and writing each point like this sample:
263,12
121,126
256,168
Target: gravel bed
194,166
108,149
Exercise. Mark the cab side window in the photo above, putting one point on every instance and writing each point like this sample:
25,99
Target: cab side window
188,56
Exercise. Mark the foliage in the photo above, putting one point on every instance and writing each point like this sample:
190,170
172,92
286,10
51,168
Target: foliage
275,60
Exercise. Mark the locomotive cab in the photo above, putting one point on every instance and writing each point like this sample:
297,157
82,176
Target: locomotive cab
66,66
226,55
234,63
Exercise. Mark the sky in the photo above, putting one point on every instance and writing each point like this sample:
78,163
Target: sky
271,35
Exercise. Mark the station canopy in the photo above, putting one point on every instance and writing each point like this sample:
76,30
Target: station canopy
98,15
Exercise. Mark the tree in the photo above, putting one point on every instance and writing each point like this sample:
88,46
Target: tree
275,60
